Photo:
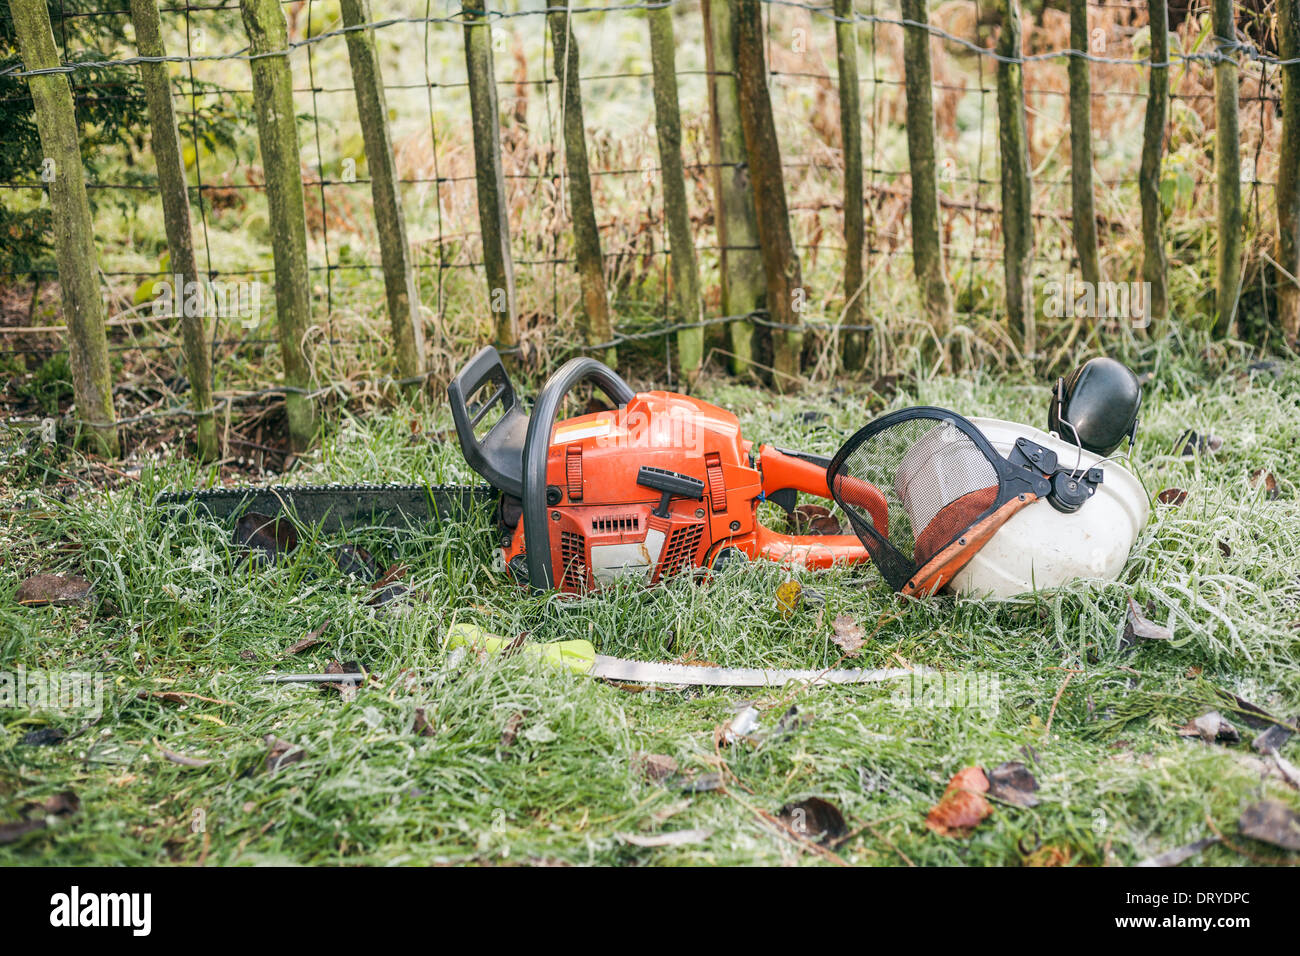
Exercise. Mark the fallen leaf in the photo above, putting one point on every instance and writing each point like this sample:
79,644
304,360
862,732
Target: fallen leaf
422,727
282,753
62,804
847,634
1012,782
1272,739
1210,727
791,721
1172,496
1266,480
356,562
1193,444
248,655
654,767
387,594
815,819
675,838
1179,854
962,805
802,518
1271,821
13,831
1287,769
57,589
511,730
311,640
267,539
788,596
824,526
1138,627
1051,855
1225,549
45,737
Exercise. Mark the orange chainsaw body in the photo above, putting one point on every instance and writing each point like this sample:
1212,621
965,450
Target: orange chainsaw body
603,525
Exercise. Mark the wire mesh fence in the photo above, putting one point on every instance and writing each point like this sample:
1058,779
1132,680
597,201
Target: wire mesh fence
426,83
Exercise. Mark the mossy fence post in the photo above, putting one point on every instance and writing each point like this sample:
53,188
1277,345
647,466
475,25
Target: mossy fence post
1227,169
166,142
686,310
277,134
582,208
786,297
489,177
1083,212
1017,200
854,341
740,264
83,308
1155,261
1288,174
394,254
927,250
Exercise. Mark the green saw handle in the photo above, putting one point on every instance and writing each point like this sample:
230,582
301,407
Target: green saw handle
577,656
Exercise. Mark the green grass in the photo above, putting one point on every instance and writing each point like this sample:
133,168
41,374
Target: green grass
176,612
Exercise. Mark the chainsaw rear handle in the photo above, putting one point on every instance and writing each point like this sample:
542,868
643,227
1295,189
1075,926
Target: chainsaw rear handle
536,452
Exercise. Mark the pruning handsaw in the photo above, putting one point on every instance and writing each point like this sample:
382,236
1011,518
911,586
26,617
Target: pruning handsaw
336,507
580,657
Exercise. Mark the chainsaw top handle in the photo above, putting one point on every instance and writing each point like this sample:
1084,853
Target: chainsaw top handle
499,456
536,452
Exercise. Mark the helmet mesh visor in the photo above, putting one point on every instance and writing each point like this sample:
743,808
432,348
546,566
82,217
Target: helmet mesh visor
935,481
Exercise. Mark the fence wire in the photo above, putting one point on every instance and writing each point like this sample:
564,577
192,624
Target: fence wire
429,113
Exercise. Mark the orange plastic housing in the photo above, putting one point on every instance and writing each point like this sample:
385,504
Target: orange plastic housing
603,523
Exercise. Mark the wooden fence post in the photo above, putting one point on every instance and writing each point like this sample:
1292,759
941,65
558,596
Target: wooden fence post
740,264
927,250
166,143
1288,173
1227,170
277,134
786,297
668,132
1083,210
582,209
83,309
493,212
1155,263
1017,200
394,253
846,55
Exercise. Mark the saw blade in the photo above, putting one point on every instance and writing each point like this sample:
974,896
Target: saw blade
648,672
339,506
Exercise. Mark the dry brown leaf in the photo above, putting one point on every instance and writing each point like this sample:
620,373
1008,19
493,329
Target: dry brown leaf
282,753
422,726
1266,480
511,730
1271,821
1136,626
311,640
962,806
815,819
57,589
1172,496
654,767
1012,782
847,634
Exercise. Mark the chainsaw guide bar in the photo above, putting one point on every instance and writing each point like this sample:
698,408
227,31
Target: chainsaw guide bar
337,507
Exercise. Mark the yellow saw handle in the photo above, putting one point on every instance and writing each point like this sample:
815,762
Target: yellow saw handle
577,656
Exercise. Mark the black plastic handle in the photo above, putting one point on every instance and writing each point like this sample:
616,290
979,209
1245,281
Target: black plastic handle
537,447
498,456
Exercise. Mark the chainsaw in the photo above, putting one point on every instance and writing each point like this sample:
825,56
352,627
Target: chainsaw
659,485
